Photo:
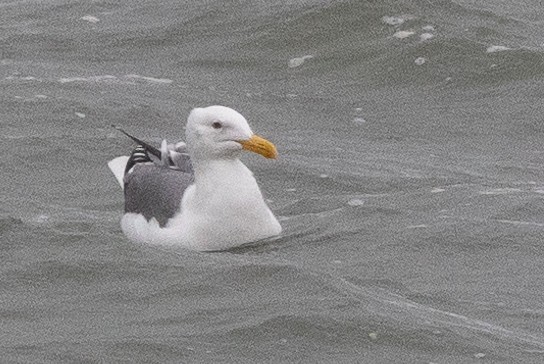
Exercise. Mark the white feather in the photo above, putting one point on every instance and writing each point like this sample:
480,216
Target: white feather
117,166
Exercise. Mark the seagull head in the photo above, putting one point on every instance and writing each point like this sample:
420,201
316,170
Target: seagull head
218,132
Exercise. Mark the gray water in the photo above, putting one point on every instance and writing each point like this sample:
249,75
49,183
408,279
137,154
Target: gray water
410,182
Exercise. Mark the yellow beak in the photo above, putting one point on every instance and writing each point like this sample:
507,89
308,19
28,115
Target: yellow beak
260,146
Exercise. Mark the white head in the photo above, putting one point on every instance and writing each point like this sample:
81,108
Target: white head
219,132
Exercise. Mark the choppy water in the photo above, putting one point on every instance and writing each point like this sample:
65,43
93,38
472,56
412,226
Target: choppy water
410,184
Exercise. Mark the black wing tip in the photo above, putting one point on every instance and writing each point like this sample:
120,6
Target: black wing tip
118,128
156,152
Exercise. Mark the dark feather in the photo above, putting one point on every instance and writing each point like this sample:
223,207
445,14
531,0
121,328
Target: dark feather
150,149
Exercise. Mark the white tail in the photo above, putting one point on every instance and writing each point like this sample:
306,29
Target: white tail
117,166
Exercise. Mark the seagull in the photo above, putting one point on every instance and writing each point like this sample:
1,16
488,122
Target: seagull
197,195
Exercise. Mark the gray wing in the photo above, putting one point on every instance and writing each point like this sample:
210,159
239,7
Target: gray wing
156,191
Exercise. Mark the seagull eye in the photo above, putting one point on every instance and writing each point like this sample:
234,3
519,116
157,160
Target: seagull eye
217,125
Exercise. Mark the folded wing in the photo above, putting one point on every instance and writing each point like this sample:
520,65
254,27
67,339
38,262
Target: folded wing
155,191
154,180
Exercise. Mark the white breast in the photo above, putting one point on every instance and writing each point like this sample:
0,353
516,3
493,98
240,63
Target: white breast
225,208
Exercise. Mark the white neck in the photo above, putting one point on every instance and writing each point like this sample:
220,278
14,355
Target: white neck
222,176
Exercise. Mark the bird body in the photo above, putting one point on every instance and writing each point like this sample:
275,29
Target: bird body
208,201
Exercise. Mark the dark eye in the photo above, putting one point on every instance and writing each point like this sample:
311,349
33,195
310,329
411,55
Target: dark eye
217,125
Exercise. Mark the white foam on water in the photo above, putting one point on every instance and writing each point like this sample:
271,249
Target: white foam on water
359,120
40,219
88,79
30,98
90,19
297,62
521,223
112,79
401,34
420,61
393,20
397,20
428,28
499,191
149,79
497,48
426,36
23,78
356,202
